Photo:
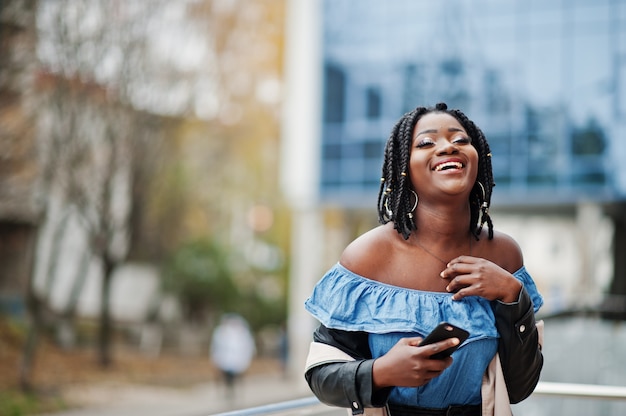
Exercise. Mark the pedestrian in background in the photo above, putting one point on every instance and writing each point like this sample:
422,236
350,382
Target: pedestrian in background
232,349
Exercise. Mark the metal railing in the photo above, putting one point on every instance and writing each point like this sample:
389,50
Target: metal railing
274,408
589,391
544,388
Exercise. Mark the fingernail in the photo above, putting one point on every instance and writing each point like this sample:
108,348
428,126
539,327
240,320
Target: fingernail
441,274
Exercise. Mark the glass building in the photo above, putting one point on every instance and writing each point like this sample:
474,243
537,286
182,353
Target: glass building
544,79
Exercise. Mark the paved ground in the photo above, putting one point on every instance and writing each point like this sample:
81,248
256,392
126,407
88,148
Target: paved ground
204,399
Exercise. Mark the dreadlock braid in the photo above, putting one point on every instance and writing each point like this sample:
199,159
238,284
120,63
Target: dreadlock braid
384,211
480,199
394,196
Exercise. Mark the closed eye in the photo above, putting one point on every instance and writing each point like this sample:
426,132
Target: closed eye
462,140
425,143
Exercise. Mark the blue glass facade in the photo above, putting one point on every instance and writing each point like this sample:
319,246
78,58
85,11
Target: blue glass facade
544,79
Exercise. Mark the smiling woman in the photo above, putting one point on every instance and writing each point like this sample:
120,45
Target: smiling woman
427,137
429,261
443,156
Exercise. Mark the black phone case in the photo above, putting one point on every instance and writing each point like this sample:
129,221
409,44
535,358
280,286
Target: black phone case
443,331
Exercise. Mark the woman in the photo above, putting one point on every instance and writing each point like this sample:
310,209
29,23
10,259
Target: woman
430,261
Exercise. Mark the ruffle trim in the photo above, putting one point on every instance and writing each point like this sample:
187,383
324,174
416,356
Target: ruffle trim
347,301
529,284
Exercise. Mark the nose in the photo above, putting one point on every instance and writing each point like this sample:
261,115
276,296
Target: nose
446,147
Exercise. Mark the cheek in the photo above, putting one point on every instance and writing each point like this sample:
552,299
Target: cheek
417,158
419,173
474,172
473,169
418,166
473,157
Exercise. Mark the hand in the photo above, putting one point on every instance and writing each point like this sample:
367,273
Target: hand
473,276
407,364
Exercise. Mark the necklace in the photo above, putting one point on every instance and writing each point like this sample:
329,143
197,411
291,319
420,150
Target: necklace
437,257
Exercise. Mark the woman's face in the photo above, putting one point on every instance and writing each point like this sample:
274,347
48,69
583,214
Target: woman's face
443,159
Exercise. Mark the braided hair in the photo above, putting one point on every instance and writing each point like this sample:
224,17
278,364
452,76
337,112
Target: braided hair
395,200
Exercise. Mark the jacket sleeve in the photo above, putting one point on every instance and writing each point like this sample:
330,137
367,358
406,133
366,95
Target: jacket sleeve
346,384
519,349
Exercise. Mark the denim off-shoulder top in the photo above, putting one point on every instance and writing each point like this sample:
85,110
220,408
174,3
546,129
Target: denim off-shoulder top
347,301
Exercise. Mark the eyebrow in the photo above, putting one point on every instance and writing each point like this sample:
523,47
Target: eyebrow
450,129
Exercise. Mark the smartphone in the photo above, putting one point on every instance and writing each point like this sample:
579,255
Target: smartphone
443,331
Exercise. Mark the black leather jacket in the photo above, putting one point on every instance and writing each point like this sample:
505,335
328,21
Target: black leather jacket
349,384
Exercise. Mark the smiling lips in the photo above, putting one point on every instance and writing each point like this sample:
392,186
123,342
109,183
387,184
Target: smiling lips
448,165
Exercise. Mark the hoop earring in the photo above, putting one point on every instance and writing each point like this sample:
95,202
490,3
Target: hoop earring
483,201
410,214
484,207
388,211
482,190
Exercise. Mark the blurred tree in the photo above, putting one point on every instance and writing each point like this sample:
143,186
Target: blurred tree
19,202
158,124
87,180
200,276
231,151
86,127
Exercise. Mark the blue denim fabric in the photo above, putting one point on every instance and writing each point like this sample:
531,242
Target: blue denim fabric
346,301
458,384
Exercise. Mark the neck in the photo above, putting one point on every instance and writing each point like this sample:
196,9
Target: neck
442,223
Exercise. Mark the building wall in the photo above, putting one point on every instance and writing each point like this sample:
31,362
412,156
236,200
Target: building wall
523,73
568,254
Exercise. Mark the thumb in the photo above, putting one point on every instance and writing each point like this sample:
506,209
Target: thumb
415,341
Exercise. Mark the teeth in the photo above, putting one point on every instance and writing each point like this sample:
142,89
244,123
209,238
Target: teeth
453,165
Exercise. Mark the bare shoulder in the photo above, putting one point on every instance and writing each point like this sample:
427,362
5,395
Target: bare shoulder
370,252
504,251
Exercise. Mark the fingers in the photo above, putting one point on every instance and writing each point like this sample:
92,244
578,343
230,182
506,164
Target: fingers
414,341
461,284
426,351
437,347
490,285
442,345
461,293
464,260
460,265
410,365
468,276
430,349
